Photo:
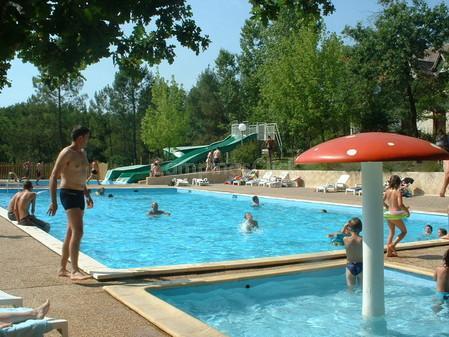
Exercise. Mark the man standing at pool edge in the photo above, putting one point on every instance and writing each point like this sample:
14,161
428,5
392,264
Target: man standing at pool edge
72,167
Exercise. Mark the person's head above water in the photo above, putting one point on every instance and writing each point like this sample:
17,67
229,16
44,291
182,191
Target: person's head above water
155,206
442,232
28,185
394,182
428,229
256,200
355,225
248,216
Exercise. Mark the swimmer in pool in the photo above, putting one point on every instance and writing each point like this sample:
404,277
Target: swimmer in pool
337,237
100,191
256,202
395,213
250,224
428,229
354,253
155,211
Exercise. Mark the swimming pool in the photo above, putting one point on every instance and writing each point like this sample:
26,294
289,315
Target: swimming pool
203,227
310,304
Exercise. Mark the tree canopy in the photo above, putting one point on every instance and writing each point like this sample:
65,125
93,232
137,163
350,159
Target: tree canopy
64,36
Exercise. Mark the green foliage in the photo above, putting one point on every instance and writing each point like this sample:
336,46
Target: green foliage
165,123
246,154
205,108
385,61
303,87
63,37
269,10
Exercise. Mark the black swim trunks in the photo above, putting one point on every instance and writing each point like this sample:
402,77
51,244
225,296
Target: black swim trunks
72,198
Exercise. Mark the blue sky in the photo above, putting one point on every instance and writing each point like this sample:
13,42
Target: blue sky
220,19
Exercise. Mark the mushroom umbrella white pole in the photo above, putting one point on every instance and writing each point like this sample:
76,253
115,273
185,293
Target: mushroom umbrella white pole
373,252
371,149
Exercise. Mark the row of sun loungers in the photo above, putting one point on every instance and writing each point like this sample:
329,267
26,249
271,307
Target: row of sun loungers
267,180
27,328
195,181
341,186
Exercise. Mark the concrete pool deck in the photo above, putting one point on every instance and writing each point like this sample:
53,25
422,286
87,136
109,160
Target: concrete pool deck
29,270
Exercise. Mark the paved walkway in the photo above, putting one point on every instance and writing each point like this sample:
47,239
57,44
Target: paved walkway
28,269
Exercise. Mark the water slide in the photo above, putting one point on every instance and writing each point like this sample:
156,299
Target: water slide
132,174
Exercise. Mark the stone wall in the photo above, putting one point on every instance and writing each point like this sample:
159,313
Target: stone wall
214,177
426,183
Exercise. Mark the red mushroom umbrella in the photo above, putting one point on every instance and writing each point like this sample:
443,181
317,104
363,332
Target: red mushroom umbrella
371,149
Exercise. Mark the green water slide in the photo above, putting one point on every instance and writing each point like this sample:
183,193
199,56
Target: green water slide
127,174
132,174
200,154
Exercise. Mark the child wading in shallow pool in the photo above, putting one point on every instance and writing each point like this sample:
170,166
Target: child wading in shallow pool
441,276
396,212
354,253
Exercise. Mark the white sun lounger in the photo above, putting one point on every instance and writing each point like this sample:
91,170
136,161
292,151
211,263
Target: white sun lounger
181,182
10,300
340,185
61,325
354,190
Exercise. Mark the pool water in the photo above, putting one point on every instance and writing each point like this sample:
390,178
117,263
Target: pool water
311,304
203,227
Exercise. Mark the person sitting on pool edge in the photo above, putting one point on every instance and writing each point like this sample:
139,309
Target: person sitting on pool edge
441,276
24,205
250,224
256,202
337,237
354,253
156,211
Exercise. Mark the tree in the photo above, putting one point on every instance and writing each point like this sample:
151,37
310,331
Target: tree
303,87
165,123
227,71
206,110
131,83
252,43
401,35
269,10
63,37
64,93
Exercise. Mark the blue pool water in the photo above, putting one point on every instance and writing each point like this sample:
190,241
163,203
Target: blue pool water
310,304
203,227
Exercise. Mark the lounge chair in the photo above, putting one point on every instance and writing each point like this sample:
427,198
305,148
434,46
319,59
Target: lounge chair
247,176
265,178
181,182
340,185
200,181
354,189
10,300
61,325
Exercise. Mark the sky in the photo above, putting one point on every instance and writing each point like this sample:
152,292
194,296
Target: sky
222,20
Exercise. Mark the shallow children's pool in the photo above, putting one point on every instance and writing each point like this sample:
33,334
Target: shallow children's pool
311,304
